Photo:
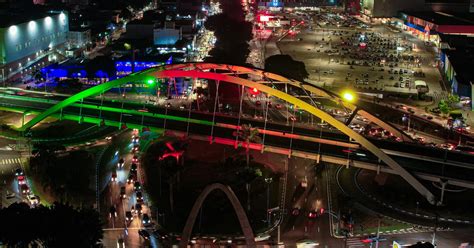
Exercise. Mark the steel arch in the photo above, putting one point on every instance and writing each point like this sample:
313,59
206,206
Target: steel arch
239,210
234,69
201,70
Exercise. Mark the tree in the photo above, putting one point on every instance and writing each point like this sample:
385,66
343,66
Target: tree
285,65
453,99
444,107
232,34
54,226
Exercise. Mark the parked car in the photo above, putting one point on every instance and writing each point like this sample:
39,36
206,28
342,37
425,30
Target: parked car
144,234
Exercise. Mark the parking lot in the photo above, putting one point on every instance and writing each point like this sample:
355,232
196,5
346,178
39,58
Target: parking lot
340,51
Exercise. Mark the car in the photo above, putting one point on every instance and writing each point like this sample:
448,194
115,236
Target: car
168,105
312,214
143,110
296,211
183,106
160,233
135,148
120,163
135,159
128,216
21,180
144,234
146,219
108,138
112,212
278,106
139,196
24,189
19,172
137,186
131,178
133,167
120,243
138,208
32,199
114,177
123,194
446,146
135,139
420,140
304,183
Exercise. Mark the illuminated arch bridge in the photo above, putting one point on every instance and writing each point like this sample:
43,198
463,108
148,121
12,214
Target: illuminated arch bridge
271,84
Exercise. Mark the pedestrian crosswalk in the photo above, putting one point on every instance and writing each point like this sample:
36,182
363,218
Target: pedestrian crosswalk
354,242
8,161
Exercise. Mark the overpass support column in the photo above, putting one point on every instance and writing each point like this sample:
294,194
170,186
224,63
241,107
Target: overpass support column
443,189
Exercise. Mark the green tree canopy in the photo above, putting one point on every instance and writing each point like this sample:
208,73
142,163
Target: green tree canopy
285,65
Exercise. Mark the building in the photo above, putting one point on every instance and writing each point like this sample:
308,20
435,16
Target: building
428,25
166,36
456,63
27,38
295,3
140,29
79,37
390,8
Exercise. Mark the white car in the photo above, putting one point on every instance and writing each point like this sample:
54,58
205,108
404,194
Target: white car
32,199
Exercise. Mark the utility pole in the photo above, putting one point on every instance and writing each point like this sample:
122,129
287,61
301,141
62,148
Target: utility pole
378,232
433,242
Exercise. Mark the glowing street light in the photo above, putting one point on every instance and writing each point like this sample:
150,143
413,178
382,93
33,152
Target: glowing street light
348,96
150,81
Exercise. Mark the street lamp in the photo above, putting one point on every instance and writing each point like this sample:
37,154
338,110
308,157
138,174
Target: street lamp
348,96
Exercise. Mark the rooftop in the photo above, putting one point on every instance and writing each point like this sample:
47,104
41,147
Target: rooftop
457,41
441,18
463,62
9,18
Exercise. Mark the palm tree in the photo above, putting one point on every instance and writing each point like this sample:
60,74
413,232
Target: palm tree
248,134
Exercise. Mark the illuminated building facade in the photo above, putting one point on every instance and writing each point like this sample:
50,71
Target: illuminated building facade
24,41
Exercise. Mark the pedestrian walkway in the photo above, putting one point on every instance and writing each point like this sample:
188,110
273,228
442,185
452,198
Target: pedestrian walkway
354,242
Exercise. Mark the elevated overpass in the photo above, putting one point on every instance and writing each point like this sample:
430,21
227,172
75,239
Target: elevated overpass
346,147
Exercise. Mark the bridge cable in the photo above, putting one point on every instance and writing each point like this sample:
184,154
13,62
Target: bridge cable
292,129
166,114
121,113
101,103
265,123
143,115
80,111
240,114
265,109
214,113
190,105
322,121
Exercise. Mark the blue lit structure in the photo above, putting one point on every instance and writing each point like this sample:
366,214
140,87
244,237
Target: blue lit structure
124,68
